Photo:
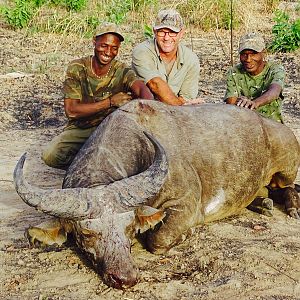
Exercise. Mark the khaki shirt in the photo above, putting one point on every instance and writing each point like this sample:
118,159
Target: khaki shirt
184,76
241,83
82,84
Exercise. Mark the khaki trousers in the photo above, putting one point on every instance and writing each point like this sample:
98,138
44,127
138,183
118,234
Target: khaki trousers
61,151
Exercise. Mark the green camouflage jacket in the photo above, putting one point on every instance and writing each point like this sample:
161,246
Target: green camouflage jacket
241,83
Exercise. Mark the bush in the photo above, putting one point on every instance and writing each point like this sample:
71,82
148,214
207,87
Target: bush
286,33
20,15
75,5
116,10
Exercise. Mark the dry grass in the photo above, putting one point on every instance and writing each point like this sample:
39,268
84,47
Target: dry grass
134,14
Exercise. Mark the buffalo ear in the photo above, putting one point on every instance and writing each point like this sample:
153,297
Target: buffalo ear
147,217
46,234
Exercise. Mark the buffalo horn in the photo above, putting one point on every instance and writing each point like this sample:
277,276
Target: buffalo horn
82,203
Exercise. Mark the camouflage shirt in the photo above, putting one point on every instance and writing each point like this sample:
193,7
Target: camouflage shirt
241,83
82,84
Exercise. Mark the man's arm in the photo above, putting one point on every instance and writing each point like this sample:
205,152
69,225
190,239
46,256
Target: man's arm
267,97
232,93
140,90
188,89
270,95
163,92
74,109
231,100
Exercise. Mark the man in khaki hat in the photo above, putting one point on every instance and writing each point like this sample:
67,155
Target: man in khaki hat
256,83
170,69
94,87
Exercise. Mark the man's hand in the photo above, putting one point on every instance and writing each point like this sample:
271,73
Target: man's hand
120,99
194,101
247,103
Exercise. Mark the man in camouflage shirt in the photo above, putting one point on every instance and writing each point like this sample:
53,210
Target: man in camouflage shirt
255,83
94,87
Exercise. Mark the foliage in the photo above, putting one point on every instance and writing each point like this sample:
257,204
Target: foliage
116,10
286,33
38,3
20,15
205,14
208,14
75,5
83,16
57,2
148,32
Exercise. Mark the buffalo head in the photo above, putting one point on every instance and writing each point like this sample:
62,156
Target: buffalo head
104,218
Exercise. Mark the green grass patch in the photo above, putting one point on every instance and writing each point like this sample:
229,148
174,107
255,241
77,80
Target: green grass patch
286,33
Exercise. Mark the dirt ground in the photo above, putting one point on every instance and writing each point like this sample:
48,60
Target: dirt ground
249,256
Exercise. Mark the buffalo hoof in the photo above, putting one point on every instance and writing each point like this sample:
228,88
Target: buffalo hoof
262,206
267,203
290,198
297,188
294,213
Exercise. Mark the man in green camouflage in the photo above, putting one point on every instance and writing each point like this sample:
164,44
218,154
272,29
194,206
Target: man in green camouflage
255,83
94,87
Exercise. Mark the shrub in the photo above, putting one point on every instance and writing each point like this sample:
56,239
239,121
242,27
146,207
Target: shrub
75,5
19,15
286,33
116,10
148,32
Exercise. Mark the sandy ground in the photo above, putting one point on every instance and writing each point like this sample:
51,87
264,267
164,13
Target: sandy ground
249,256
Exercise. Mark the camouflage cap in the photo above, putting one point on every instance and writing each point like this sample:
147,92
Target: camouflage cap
168,18
107,27
252,41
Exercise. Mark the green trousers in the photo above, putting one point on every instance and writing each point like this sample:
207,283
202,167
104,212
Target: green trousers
61,151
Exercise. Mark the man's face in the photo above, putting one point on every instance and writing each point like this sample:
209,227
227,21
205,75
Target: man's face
168,40
252,61
106,48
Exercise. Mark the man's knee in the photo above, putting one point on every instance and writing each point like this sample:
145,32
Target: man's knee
63,148
51,159
59,155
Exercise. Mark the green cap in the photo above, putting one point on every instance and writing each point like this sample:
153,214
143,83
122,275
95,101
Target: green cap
107,27
168,18
252,41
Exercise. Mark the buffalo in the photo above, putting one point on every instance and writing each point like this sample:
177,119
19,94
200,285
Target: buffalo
160,170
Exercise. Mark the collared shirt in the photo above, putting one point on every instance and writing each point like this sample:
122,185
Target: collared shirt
82,84
241,83
183,78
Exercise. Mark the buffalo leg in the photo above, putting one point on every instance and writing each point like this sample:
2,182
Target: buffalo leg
161,238
290,198
297,188
262,204
177,224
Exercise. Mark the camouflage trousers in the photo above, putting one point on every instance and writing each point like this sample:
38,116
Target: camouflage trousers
61,151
